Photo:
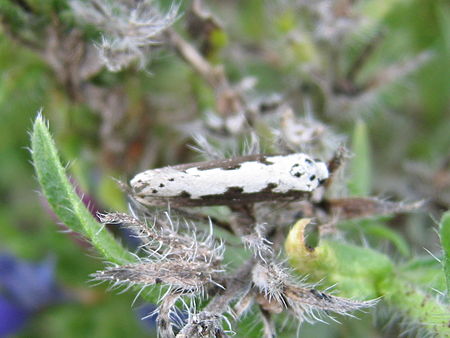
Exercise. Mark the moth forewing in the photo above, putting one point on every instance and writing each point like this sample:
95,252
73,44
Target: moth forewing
246,179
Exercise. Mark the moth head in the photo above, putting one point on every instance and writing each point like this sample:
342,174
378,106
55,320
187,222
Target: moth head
314,170
322,171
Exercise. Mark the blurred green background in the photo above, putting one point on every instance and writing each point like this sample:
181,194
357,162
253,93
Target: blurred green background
408,123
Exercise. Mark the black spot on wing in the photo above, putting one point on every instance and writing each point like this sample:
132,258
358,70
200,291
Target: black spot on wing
295,171
269,187
234,191
184,194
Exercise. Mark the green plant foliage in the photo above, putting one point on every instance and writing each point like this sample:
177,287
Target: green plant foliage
362,272
425,272
64,201
379,230
326,65
357,270
360,184
444,234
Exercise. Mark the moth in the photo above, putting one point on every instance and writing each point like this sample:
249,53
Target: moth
246,179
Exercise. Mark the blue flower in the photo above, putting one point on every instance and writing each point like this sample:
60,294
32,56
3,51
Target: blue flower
25,288
13,317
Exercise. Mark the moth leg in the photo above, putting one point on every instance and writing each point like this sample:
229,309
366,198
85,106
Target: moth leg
202,217
244,219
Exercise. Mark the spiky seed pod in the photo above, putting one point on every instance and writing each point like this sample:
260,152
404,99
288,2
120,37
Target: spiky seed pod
162,240
258,243
180,275
203,324
305,302
270,280
310,304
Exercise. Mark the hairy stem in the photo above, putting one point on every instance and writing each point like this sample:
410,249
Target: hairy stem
422,311
63,199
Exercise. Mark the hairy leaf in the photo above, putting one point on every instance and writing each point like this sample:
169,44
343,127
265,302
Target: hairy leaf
63,199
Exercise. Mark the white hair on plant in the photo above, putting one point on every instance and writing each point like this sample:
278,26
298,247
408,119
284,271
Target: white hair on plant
258,243
129,28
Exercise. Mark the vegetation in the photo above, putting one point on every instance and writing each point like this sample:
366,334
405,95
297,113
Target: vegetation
118,87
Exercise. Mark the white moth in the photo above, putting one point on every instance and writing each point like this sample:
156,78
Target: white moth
246,179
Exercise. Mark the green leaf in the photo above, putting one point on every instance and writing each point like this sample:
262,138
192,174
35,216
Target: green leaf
425,272
360,184
384,232
63,199
365,273
422,312
356,270
444,234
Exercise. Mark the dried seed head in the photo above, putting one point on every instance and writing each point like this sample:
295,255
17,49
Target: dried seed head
206,149
270,280
167,242
203,324
191,277
138,229
311,304
129,28
258,244
304,301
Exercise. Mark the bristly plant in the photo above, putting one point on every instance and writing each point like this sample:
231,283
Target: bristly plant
189,254
178,256
189,264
